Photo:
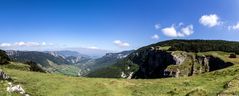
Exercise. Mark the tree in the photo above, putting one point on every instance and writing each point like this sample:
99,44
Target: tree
34,66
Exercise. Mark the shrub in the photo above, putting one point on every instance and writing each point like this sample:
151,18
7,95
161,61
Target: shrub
233,56
34,66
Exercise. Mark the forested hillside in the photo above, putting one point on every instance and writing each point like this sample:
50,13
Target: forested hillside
198,45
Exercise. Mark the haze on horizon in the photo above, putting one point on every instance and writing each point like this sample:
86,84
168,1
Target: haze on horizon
100,26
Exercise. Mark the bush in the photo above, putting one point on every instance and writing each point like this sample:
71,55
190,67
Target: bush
233,56
34,66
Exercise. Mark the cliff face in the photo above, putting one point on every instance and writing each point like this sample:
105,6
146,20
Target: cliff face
161,64
152,63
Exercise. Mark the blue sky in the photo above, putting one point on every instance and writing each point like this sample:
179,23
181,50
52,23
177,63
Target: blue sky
113,24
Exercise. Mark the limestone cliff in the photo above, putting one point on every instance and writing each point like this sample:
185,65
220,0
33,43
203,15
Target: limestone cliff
159,64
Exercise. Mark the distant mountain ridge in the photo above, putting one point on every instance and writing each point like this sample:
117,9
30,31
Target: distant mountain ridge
51,60
72,57
48,62
111,58
66,53
35,56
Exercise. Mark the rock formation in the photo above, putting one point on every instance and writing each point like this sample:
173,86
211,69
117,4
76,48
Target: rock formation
17,89
4,76
160,64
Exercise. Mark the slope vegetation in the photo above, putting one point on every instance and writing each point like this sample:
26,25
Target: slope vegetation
210,84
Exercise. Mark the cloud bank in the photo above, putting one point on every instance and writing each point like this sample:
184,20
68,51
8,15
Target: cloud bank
25,44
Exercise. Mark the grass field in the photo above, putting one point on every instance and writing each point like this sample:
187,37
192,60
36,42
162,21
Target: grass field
210,84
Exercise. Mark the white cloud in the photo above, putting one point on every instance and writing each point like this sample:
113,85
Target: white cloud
184,31
25,44
5,45
188,30
234,27
155,37
120,43
170,31
210,20
93,47
157,26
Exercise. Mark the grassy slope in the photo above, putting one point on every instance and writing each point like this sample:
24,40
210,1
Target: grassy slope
69,70
40,84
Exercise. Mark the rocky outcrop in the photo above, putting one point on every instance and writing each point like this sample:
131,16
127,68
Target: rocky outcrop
179,57
160,64
12,88
200,64
152,63
16,89
4,76
127,76
194,65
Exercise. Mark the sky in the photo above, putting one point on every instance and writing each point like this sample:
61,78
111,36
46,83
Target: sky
113,25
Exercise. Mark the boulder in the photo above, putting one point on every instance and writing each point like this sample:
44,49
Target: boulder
17,89
4,76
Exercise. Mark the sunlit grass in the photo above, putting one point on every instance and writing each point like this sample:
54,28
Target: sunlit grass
41,84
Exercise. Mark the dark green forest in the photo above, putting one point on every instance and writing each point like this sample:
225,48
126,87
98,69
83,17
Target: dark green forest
199,45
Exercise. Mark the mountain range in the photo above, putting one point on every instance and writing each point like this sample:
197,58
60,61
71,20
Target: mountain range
64,61
173,67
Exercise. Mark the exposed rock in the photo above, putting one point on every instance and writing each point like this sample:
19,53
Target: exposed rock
130,75
4,76
16,88
171,73
200,65
123,75
161,64
11,88
152,63
157,48
179,57
152,48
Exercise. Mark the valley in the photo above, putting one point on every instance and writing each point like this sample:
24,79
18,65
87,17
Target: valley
41,84
119,48
161,69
